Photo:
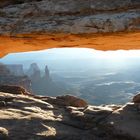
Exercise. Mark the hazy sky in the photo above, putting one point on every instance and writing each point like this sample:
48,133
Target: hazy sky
73,53
66,58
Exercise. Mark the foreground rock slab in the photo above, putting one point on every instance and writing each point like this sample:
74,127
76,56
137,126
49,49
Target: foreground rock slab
32,117
125,120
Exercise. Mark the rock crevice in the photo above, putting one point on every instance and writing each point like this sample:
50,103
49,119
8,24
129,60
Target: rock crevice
40,118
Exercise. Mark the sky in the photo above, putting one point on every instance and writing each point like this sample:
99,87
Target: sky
73,53
65,58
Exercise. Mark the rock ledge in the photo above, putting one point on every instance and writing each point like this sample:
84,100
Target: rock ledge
29,117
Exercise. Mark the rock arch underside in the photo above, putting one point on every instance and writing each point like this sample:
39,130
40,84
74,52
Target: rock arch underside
40,24
27,25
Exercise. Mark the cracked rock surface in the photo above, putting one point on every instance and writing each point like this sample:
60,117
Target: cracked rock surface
33,117
68,16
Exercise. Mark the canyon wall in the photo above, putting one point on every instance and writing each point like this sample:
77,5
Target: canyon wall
8,76
16,69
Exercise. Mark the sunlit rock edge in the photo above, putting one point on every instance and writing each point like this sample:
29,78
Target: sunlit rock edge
27,116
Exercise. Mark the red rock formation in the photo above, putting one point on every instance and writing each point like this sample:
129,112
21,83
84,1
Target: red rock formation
67,100
13,89
70,100
16,80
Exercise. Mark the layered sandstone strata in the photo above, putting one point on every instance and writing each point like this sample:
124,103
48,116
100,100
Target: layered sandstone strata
40,24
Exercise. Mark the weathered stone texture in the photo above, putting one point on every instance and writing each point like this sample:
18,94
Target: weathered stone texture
35,117
71,16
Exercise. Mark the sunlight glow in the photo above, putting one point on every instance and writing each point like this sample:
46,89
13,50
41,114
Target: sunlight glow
74,53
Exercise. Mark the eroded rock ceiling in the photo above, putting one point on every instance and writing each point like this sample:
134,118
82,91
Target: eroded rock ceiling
40,24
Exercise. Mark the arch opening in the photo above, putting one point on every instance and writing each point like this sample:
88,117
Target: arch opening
100,77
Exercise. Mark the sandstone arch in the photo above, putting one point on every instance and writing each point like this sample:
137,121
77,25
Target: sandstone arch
40,24
37,42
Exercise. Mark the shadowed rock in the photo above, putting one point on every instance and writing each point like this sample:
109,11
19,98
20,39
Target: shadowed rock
3,133
136,99
67,100
13,75
13,89
36,117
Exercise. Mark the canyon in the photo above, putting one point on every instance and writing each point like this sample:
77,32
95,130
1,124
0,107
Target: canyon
40,24
33,79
